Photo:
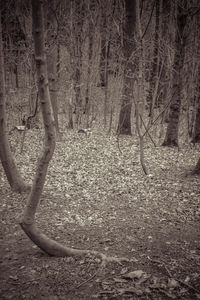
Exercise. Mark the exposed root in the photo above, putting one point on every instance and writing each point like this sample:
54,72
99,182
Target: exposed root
54,248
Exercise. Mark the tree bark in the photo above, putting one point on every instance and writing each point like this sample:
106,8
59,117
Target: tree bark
124,125
163,88
196,133
103,55
49,125
89,68
77,27
154,69
171,137
52,59
139,101
14,178
48,245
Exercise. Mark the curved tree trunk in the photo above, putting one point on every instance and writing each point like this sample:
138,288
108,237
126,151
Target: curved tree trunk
48,245
124,125
27,222
171,137
14,178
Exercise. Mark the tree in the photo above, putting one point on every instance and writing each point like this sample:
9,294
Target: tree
171,137
105,51
49,143
196,132
155,62
104,47
14,178
139,101
48,245
76,54
91,40
28,220
164,43
52,58
124,125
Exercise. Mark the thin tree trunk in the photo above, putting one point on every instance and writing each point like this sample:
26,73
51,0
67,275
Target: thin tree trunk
104,58
171,137
70,113
139,101
163,88
14,178
79,11
196,133
124,125
44,95
90,56
154,70
106,83
48,245
103,55
52,59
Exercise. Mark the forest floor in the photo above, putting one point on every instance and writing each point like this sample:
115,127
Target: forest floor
98,198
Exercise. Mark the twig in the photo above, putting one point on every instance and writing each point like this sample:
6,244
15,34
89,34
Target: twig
147,131
86,281
158,116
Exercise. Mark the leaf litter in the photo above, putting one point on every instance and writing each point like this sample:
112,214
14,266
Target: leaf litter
98,198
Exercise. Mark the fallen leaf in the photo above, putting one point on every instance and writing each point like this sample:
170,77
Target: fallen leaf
13,277
119,280
134,275
172,283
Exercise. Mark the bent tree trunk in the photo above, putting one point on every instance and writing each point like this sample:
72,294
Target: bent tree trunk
124,125
28,220
171,137
14,178
48,245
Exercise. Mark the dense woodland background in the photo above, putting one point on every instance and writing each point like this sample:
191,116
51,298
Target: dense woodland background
105,96
94,51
